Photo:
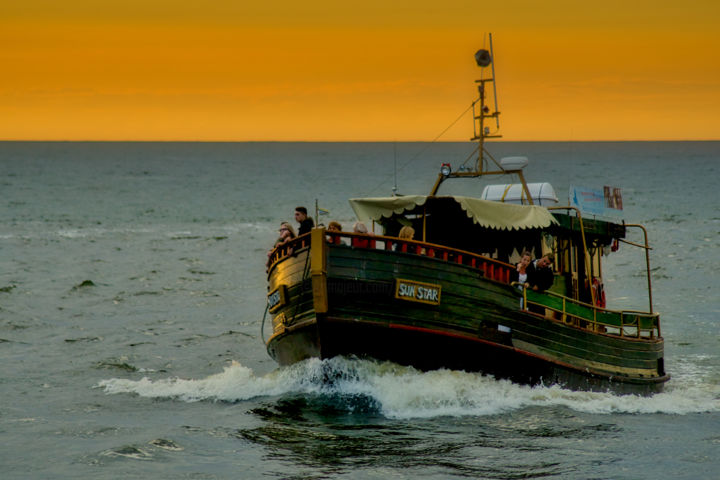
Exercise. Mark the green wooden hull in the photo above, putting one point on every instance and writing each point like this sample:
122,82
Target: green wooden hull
350,303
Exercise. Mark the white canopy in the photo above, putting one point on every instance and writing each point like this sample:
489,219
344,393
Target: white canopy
490,214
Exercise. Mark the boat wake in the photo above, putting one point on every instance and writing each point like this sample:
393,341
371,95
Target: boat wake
401,392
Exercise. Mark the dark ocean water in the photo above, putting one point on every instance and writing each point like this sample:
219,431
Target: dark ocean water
132,290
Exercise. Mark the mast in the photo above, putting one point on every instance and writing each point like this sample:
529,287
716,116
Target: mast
484,114
483,131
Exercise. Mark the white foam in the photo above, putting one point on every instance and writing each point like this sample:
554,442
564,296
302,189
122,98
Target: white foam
236,382
403,392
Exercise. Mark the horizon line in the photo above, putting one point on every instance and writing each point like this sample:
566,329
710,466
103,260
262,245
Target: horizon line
349,141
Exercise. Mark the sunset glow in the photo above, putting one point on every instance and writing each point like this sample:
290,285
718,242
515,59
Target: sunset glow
355,71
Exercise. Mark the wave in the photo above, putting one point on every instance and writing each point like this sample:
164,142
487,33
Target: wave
402,392
172,231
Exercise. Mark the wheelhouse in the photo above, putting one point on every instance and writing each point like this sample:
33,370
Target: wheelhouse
502,231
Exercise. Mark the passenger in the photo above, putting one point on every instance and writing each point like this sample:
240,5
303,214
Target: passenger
408,233
520,273
287,233
539,273
360,227
306,223
334,227
405,233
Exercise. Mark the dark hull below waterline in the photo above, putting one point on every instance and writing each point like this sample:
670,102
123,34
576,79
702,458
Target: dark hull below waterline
430,351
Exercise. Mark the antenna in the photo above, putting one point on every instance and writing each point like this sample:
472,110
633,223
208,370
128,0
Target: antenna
492,55
395,187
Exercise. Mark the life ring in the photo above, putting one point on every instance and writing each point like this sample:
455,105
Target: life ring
599,293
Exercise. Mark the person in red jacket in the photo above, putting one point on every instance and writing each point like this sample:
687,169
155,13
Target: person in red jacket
361,242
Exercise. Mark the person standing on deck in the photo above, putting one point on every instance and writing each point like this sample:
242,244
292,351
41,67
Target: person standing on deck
306,223
520,274
539,273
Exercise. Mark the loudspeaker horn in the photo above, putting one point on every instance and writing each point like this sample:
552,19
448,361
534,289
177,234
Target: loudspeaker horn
483,58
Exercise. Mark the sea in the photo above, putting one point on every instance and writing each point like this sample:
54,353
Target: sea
132,320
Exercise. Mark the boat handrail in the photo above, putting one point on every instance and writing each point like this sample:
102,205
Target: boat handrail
287,249
623,323
491,268
647,249
646,246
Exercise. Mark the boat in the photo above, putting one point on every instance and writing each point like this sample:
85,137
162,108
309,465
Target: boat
450,299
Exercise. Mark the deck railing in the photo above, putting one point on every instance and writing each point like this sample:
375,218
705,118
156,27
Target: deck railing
490,268
623,323
287,249
626,323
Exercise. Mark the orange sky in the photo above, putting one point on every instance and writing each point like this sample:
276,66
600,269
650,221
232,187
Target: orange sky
355,70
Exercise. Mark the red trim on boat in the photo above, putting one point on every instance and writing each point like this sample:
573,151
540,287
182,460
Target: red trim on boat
507,347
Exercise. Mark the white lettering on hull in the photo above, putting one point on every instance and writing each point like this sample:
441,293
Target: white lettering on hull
418,291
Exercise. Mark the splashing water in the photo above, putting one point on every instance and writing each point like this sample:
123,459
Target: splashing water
403,392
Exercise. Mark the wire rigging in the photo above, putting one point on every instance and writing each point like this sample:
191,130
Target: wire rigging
414,157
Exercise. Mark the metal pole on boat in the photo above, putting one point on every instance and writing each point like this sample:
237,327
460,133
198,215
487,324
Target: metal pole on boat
497,109
586,255
395,187
647,259
484,58
481,135
424,222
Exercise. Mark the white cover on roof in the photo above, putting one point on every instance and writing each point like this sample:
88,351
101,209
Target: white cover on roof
542,193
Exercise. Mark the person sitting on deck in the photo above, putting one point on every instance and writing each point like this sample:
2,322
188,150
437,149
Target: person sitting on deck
360,227
306,223
539,273
406,233
334,227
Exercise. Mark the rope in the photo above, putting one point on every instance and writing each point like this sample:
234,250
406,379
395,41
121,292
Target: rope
302,286
262,325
